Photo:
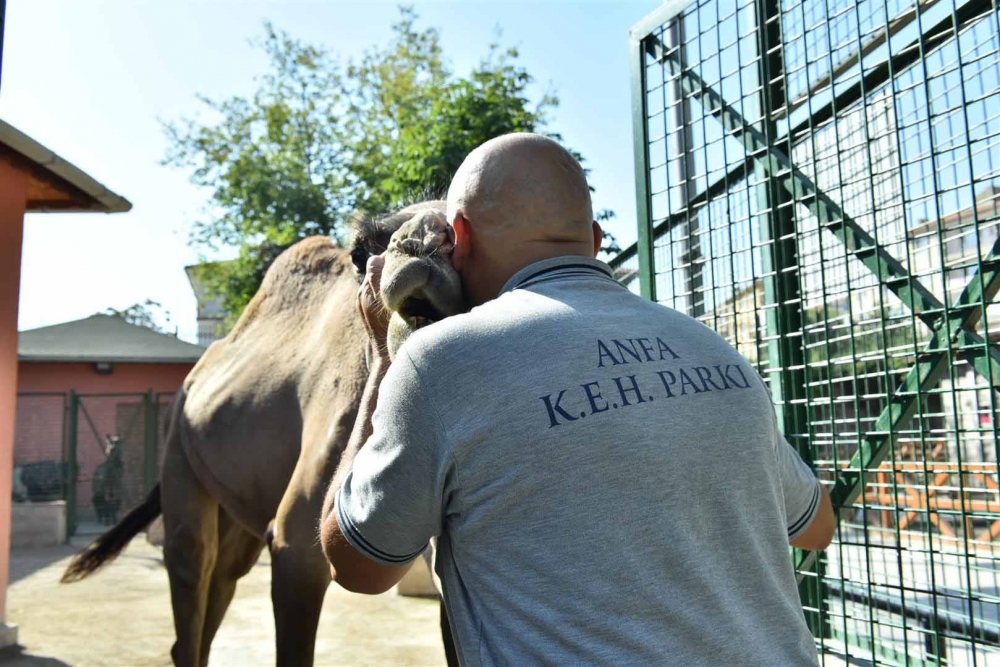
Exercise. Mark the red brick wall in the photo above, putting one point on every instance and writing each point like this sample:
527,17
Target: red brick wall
38,431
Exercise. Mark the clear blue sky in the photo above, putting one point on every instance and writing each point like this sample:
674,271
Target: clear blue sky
90,80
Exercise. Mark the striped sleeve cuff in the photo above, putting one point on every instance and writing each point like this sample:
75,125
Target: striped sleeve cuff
351,533
799,526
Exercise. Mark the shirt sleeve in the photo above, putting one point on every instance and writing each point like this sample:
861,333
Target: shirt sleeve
390,504
799,487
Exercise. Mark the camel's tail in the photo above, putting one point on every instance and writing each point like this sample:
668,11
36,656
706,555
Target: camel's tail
106,548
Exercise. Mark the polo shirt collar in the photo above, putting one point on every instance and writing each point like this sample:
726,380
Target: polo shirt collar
556,267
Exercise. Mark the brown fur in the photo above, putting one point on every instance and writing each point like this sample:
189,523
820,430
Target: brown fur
257,431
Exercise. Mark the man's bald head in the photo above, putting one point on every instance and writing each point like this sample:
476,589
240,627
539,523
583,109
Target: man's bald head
523,187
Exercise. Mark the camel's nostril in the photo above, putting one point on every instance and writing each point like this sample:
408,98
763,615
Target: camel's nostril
410,246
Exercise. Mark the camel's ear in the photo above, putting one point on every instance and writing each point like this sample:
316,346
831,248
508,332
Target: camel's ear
370,238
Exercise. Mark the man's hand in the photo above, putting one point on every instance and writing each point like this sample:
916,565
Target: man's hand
373,311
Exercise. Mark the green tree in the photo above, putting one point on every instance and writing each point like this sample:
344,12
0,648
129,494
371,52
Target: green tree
143,314
321,141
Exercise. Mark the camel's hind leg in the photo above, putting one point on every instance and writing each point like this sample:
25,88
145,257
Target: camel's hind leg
190,546
238,551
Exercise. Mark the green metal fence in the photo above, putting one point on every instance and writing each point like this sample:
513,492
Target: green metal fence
98,452
819,181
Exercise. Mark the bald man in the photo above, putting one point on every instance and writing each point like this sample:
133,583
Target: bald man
604,475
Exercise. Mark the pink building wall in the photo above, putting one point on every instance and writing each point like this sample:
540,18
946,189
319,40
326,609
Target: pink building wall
81,377
13,201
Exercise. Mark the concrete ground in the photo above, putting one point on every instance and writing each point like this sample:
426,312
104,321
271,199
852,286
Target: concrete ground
121,617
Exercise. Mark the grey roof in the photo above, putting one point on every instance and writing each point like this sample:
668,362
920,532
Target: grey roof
104,338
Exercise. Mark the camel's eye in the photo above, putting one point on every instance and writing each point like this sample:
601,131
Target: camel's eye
359,255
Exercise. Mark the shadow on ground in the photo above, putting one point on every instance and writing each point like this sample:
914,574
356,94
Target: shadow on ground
25,562
17,657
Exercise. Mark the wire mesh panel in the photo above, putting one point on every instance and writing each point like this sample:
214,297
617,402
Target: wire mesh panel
39,448
819,181
112,457
626,269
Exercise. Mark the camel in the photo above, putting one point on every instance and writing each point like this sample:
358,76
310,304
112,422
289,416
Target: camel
260,423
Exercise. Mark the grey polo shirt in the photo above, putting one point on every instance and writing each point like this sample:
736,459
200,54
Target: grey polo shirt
604,475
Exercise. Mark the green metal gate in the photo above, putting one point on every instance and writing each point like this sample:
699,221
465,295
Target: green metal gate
63,452
104,480
819,181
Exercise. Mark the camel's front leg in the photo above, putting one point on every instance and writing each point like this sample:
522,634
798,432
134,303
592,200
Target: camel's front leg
300,574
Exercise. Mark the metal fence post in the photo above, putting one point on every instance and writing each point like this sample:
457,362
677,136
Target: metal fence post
643,208
149,438
69,467
781,288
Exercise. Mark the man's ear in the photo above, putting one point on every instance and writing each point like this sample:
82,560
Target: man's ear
598,238
463,241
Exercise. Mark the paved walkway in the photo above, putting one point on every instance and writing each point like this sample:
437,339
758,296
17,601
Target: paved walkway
121,617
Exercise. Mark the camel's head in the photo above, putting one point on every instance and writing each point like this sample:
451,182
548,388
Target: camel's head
112,445
419,284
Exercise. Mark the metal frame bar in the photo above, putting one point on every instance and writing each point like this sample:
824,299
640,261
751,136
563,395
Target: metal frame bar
90,422
70,465
708,194
150,448
781,288
878,75
931,622
895,25
830,215
931,39
644,245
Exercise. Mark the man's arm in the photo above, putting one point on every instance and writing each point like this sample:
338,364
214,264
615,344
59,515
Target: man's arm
349,567
818,535
808,511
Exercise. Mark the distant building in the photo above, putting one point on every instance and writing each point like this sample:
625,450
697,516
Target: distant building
211,313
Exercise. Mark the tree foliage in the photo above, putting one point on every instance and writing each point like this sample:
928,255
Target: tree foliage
321,141
143,314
